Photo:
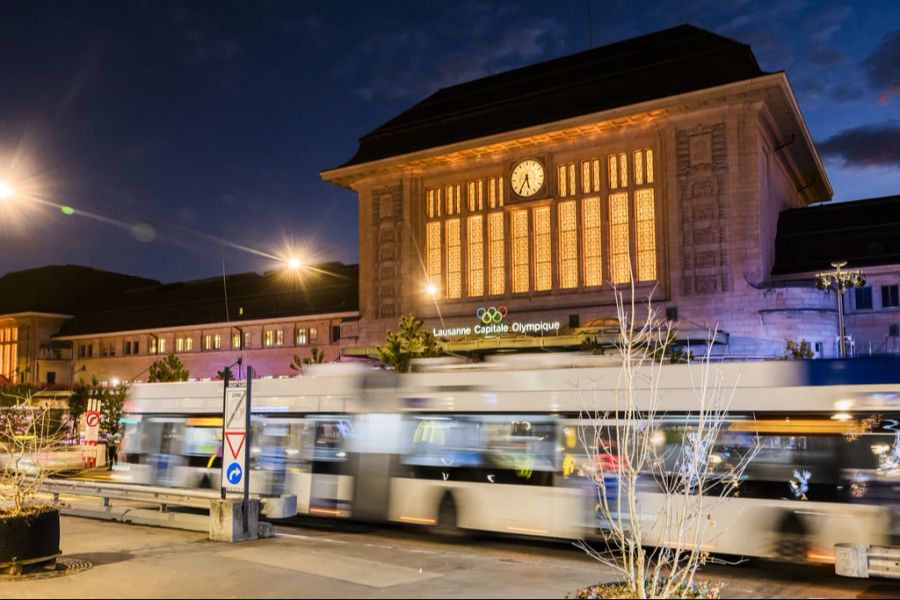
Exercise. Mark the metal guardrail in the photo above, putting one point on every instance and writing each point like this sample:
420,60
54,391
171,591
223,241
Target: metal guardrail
275,507
855,560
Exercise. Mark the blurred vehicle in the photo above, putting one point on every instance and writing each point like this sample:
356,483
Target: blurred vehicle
486,447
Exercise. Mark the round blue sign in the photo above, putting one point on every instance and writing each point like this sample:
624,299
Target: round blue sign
234,473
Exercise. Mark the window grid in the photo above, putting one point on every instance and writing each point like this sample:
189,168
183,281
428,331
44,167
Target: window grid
497,253
433,233
454,259
593,235
620,259
543,271
890,296
568,245
476,256
521,266
645,234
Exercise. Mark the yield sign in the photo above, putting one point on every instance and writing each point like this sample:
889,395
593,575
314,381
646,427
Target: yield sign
235,441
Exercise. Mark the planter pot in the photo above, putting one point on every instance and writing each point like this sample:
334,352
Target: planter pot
29,540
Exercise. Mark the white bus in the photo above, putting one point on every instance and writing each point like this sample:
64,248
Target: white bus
490,447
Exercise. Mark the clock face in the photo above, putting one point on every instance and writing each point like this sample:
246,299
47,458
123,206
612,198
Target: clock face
527,178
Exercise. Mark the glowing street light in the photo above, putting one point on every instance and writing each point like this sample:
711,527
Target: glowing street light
6,191
842,280
294,264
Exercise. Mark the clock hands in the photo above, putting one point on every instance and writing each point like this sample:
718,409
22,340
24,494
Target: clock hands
524,183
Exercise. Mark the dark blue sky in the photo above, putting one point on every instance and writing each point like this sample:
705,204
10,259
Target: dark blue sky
217,117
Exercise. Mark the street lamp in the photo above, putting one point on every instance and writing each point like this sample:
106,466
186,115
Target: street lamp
842,280
294,264
6,191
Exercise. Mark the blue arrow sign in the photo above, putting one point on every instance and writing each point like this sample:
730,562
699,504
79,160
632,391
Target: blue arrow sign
234,473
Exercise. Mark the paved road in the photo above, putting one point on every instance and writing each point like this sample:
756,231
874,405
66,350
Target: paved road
315,560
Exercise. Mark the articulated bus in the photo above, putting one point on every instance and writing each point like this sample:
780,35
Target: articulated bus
495,447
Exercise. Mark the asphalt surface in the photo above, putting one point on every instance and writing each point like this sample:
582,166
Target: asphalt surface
327,559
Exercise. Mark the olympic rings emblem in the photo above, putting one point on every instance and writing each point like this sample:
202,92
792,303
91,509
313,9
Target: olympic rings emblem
491,314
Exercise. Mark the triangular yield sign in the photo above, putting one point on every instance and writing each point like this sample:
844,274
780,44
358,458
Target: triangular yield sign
237,443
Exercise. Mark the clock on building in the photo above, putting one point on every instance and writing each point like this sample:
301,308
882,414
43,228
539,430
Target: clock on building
527,178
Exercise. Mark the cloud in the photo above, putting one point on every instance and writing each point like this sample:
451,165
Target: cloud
882,67
865,146
475,40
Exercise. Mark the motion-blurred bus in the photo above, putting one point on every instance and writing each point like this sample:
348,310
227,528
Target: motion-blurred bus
499,447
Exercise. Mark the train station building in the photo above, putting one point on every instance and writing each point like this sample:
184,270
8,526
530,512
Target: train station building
524,199
505,212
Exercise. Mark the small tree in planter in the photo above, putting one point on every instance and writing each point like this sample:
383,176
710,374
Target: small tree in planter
628,452
31,443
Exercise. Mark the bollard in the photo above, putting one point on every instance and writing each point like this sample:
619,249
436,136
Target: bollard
851,560
226,520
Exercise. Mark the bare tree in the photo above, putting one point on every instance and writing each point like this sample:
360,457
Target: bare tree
654,499
31,446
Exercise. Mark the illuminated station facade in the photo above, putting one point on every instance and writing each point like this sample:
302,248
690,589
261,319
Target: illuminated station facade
524,199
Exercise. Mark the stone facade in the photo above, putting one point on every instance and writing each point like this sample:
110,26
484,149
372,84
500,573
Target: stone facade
270,354
723,173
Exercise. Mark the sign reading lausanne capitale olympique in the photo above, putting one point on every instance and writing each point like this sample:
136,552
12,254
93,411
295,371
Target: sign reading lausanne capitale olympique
493,321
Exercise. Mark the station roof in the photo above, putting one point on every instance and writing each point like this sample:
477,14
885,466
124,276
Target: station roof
666,63
62,289
321,289
865,233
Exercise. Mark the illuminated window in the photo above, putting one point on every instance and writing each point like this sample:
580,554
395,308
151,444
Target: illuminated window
154,345
235,341
613,172
643,167
313,335
470,195
188,344
179,344
623,170
492,192
497,253
590,174
247,339
301,336
476,256
268,337
520,266
645,235
437,201
593,250
542,253
568,245
207,342
433,258
162,346
638,163
217,341
279,337
9,353
454,259
429,195
620,261
566,179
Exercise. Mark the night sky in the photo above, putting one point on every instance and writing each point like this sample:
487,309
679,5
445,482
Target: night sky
167,120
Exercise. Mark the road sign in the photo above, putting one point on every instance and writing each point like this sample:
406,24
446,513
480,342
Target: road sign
234,474
235,442
234,433
92,421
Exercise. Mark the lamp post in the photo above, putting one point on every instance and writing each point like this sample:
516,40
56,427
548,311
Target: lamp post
842,280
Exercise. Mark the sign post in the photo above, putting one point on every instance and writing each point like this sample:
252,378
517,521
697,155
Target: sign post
235,440
91,432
